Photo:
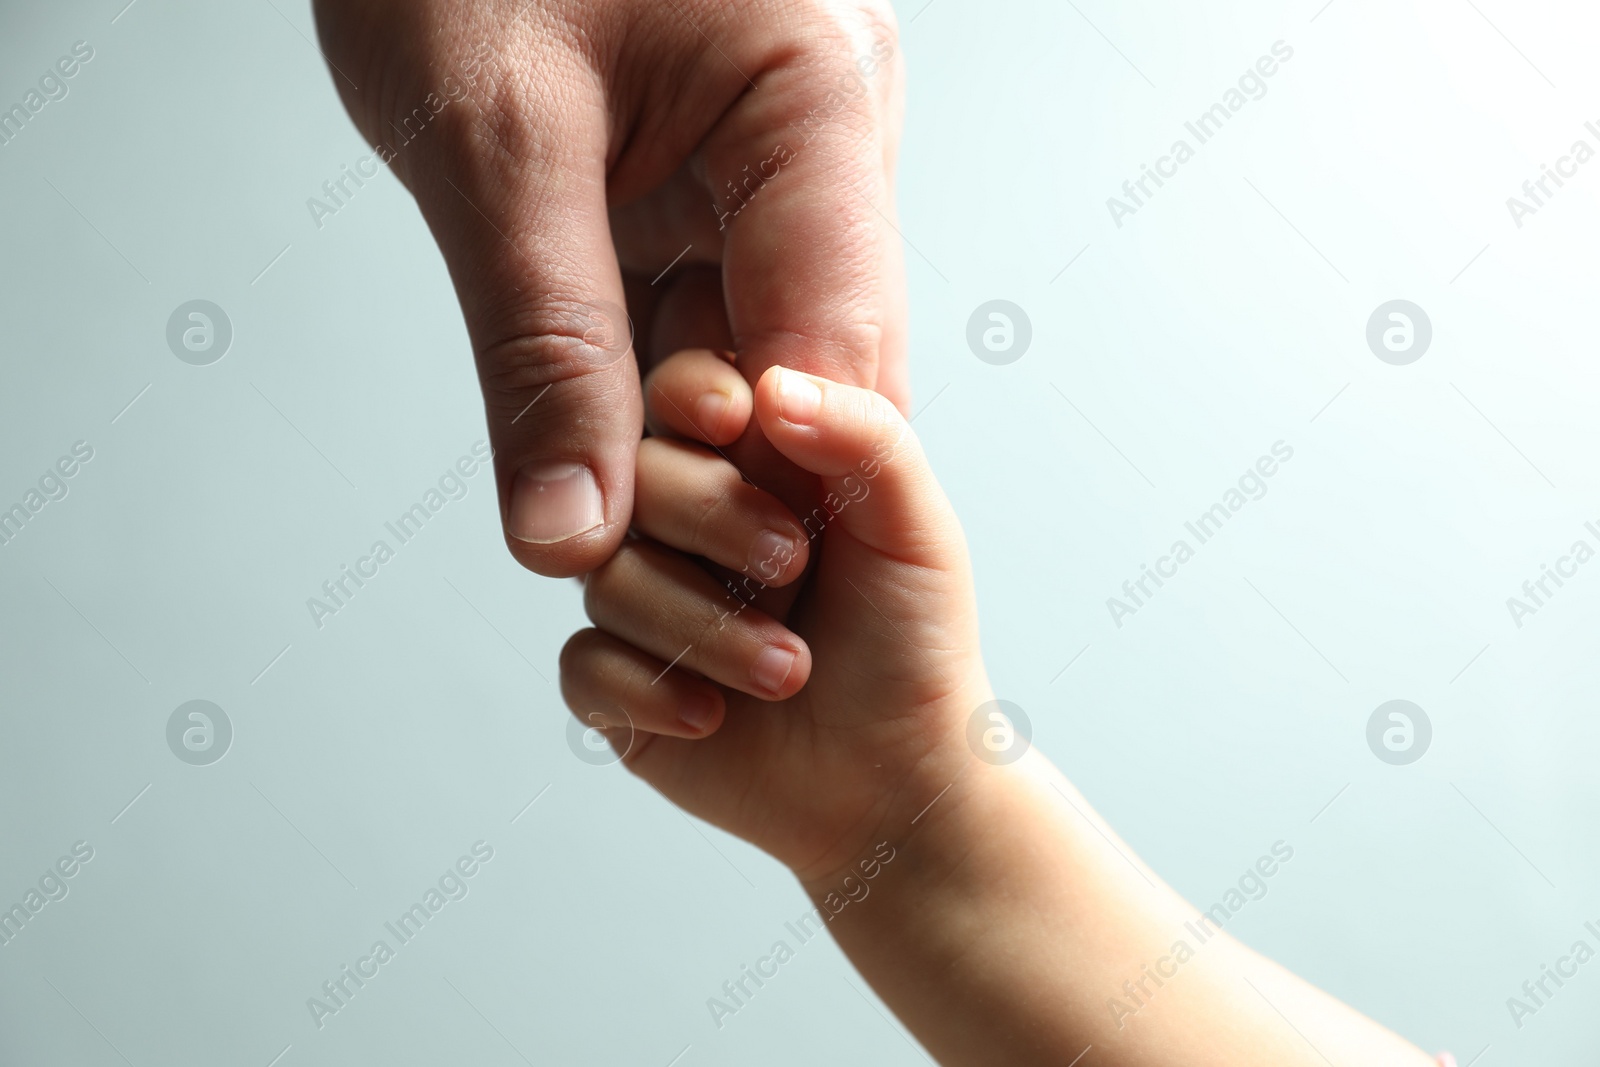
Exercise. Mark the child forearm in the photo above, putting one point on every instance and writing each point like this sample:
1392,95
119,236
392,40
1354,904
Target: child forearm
1004,923
1014,927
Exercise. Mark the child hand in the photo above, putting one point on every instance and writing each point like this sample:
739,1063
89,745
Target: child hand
1017,928
803,734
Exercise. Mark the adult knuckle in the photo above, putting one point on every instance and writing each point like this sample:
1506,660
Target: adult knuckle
878,22
849,41
558,336
556,342
842,346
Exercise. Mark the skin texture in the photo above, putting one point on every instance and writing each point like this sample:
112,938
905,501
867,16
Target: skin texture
987,904
758,773
564,153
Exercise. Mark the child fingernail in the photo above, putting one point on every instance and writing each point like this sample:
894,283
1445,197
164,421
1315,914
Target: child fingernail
698,712
772,668
552,502
799,399
709,412
770,553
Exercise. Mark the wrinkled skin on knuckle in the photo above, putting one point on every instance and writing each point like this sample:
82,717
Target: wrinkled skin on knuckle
525,94
549,327
848,352
877,21
555,338
838,33
516,373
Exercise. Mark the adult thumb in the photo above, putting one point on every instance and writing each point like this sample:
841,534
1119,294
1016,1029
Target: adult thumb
515,194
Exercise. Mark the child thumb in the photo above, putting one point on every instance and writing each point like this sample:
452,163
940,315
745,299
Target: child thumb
877,485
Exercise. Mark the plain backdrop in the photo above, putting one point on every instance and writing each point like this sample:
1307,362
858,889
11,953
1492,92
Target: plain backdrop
1167,354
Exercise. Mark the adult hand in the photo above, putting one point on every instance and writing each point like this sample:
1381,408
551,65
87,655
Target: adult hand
567,152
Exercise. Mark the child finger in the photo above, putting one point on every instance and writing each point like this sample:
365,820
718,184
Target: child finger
608,682
691,500
697,394
663,603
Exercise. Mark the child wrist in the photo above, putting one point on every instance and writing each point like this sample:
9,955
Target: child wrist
938,815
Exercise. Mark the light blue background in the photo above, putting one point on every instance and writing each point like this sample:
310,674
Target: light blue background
1170,354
